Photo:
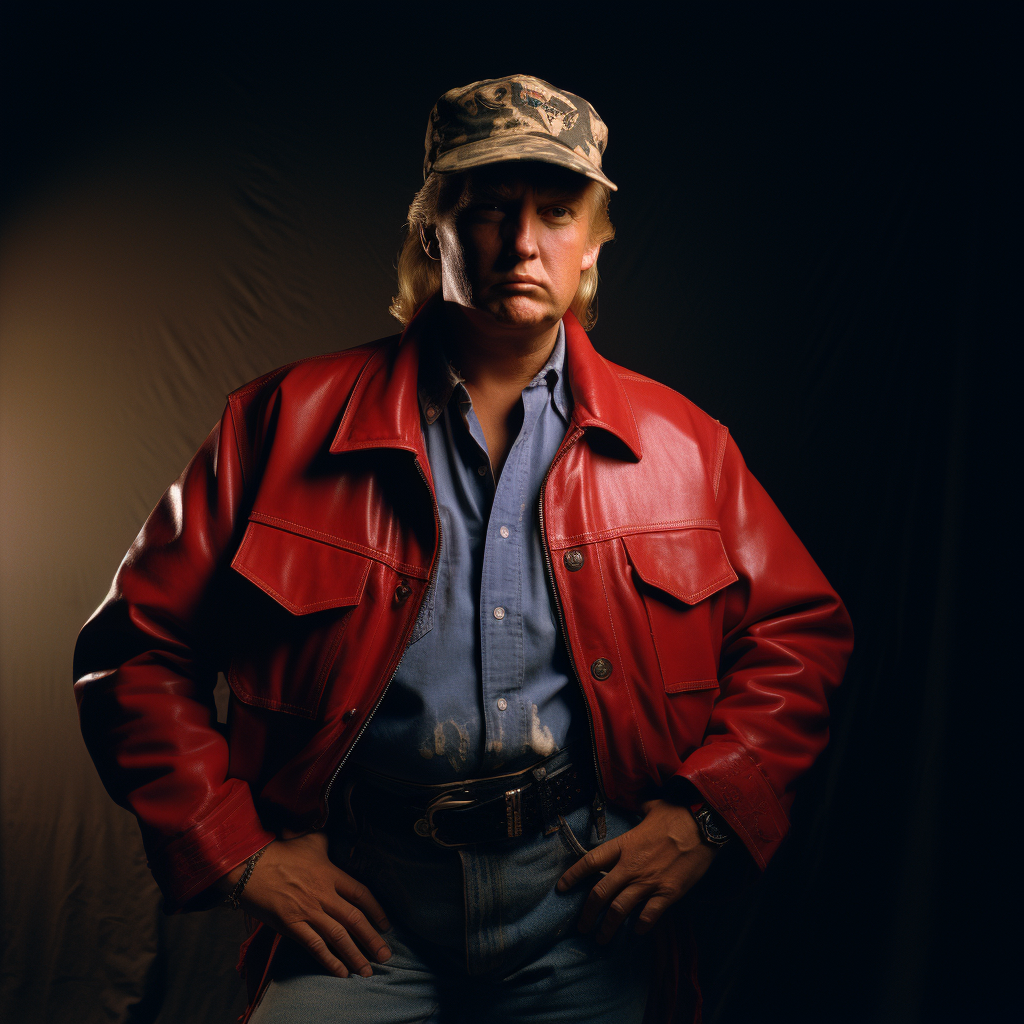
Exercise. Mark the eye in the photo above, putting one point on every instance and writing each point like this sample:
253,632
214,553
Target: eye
488,212
559,213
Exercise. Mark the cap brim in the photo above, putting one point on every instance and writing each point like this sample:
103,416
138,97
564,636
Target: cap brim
523,147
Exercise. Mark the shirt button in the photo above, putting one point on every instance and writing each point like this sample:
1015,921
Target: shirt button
431,411
502,704
601,669
499,612
504,531
350,714
481,470
402,591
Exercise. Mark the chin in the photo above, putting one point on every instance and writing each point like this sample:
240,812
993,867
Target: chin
521,311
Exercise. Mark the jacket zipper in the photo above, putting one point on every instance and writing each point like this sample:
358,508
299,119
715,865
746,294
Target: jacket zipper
558,606
325,799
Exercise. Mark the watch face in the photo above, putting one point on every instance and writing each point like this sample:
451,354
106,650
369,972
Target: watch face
713,834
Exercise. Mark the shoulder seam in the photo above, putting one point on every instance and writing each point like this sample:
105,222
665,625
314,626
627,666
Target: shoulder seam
723,439
242,455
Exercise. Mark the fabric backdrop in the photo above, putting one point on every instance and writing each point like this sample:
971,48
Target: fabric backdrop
813,233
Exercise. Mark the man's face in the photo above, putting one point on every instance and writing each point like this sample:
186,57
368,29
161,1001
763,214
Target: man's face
515,247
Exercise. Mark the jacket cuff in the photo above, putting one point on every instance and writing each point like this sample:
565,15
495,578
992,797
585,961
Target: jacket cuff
186,865
731,781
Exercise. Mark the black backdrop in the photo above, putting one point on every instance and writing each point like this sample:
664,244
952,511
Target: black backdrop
813,244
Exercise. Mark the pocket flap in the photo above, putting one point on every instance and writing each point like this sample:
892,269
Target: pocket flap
690,565
301,574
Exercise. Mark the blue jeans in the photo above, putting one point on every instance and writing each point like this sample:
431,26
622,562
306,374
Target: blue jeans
478,934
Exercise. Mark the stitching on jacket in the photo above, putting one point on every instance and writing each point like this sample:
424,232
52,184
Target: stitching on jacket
202,882
267,702
345,545
256,701
361,384
242,447
723,440
570,626
691,685
626,375
714,585
357,669
266,378
300,609
618,658
697,595
380,442
636,429
626,531
236,397
676,394
199,826
648,380
749,841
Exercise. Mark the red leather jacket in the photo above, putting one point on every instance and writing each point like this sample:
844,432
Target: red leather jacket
294,552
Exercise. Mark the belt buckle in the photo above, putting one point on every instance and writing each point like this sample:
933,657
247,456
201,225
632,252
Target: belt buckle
425,826
514,812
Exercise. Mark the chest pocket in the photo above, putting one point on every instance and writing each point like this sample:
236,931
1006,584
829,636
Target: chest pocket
286,632
676,572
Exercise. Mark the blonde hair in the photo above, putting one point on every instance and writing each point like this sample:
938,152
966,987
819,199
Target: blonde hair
419,276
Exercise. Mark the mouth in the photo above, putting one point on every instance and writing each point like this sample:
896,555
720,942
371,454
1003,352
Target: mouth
519,282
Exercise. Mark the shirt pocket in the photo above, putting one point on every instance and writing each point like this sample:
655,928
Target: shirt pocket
286,632
677,572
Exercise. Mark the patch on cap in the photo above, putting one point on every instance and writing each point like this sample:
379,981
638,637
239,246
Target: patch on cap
514,118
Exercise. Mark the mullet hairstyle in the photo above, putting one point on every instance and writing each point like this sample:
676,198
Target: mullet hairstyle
419,276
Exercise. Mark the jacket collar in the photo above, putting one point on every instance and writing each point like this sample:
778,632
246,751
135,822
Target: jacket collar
383,411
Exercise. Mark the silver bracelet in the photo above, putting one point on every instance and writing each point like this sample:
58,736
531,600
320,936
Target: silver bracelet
233,899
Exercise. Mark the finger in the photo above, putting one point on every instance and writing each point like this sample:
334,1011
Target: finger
651,914
342,944
604,891
355,892
354,922
619,909
601,858
318,949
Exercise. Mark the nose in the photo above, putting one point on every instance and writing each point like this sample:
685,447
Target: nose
522,233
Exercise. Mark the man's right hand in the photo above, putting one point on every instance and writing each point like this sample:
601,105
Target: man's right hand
297,891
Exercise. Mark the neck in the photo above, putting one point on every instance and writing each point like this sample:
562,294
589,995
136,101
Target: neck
487,355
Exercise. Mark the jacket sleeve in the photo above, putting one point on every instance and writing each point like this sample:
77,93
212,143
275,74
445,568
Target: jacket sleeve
786,640
145,668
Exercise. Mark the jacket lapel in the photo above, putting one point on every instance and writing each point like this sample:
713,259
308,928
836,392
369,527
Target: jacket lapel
598,395
383,411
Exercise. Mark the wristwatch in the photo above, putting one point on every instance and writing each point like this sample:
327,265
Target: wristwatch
713,830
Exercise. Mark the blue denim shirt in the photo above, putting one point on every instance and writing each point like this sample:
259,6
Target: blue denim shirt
485,686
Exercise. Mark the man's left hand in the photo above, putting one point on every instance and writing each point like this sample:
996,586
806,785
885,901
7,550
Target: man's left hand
653,864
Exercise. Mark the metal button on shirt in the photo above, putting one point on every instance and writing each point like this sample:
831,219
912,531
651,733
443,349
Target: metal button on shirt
486,684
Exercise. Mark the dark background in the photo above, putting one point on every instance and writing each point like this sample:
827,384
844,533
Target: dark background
814,244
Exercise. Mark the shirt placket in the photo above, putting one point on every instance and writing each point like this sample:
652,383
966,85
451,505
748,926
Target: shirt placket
505,712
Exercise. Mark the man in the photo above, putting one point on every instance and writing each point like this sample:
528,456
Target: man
515,641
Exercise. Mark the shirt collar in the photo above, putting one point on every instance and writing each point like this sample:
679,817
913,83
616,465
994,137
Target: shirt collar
439,379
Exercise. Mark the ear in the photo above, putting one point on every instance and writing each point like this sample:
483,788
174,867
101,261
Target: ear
428,239
590,257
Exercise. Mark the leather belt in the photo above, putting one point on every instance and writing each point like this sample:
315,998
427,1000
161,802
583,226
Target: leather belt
479,810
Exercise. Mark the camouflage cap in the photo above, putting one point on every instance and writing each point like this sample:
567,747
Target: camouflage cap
514,118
